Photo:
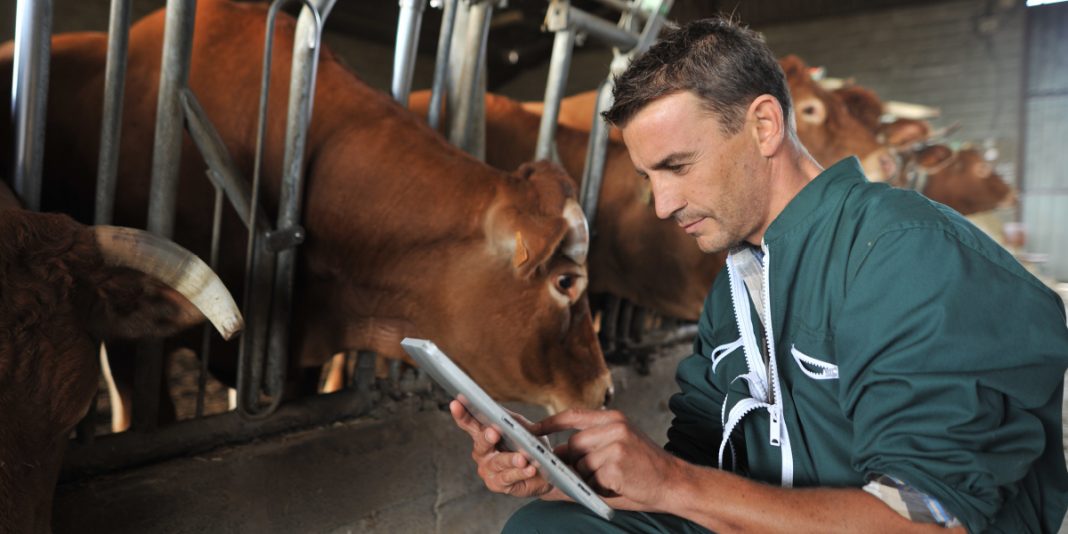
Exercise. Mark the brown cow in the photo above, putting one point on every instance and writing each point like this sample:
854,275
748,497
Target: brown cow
65,288
406,235
636,256
963,179
824,125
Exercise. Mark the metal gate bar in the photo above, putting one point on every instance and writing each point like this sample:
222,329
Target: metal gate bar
408,24
466,120
166,156
252,367
441,62
29,96
129,449
111,124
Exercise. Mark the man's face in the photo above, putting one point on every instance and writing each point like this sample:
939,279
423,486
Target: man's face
714,186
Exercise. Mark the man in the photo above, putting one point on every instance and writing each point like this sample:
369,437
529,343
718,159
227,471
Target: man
870,362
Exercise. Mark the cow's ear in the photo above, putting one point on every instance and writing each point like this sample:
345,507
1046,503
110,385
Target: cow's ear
903,133
863,104
127,304
933,155
794,67
525,240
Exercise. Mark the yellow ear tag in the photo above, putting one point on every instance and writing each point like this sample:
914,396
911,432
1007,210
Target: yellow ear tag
521,254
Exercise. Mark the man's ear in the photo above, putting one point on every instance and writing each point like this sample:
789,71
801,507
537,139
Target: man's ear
769,124
127,304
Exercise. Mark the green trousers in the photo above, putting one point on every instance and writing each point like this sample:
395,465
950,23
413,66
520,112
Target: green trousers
544,517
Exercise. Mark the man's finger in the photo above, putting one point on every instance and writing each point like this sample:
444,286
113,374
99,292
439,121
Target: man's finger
575,419
507,460
464,419
485,438
512,476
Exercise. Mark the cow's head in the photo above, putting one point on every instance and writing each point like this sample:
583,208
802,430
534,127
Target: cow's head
64,288
826,127
530,273
963,180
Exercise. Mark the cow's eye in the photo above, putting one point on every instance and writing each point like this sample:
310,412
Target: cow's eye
569,285
565,281
811,110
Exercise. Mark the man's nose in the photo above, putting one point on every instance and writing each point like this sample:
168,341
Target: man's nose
666,201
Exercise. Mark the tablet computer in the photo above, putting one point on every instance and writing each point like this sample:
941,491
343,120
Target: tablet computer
432,360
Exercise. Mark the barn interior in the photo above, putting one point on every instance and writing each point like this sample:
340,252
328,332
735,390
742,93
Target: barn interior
379,453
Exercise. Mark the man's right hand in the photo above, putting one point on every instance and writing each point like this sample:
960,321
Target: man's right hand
502,471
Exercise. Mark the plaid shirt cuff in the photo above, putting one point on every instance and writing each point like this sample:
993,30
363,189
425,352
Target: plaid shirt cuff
910,502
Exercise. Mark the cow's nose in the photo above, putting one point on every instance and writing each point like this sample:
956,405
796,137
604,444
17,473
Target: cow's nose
608,394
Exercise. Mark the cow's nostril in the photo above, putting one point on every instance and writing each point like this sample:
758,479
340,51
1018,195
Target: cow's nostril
609,394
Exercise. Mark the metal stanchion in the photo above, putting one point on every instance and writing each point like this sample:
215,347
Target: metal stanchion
111,125
29,96
288,234
441,62
466,125
411,19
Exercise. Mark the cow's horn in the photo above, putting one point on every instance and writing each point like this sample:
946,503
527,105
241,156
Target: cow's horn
577,242
175,266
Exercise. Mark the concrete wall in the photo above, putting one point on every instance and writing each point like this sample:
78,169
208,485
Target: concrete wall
1045,183
963,57
967,58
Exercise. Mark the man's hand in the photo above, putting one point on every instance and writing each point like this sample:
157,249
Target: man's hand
616,458
503,472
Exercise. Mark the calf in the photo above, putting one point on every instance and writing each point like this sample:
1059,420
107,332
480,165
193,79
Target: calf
64,289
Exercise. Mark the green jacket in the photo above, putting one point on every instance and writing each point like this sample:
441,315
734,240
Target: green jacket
904,342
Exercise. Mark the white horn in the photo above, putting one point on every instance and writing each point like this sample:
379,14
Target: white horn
175,266
906,110
577,242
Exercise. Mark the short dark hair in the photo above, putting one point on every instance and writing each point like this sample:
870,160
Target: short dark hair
723,63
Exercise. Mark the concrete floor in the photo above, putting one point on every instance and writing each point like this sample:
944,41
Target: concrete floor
411,472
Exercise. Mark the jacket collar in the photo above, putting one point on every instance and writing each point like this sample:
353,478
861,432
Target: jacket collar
817,196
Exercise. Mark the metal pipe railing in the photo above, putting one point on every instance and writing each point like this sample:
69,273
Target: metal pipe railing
467,123
205,340
111,123
593,170
29,97
559,66
408,24
224,172
601,29
167,151
306,44
166,155
441,62
653,24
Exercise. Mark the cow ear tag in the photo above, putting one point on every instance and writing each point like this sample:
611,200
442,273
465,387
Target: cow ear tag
521,253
